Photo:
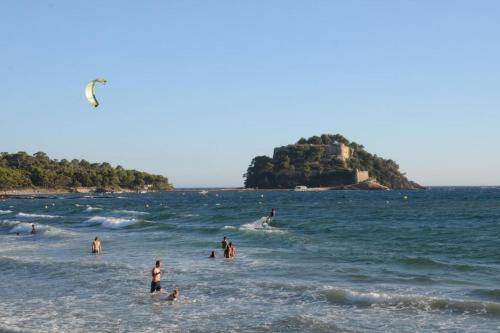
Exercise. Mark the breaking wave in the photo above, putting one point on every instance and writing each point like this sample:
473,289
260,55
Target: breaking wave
130,212
41,216
259,225
5,212
90,208
111,222
25,228
416,302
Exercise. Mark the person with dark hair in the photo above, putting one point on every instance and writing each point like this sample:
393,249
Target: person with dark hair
224,243
212,255
156,276
174,296
96,246
270,215
33,230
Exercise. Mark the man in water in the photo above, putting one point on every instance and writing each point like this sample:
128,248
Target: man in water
33,230
224,243
271,215
96,246
227,251
212,255
156,274
232,250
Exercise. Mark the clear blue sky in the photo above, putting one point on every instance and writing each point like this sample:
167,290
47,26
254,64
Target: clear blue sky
198,88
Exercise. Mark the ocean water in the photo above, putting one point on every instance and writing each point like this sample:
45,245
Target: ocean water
330,262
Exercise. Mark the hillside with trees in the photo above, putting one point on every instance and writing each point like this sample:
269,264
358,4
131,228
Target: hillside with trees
310,162
23,171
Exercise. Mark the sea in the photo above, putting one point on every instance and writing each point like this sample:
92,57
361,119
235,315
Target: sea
336,261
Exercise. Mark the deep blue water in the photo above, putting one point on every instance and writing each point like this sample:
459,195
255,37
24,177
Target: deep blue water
330,262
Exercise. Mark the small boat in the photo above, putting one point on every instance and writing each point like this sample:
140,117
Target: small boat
300,188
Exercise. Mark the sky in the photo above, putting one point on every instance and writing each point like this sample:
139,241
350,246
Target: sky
196,89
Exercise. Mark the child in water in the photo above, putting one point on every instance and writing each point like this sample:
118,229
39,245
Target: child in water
174,296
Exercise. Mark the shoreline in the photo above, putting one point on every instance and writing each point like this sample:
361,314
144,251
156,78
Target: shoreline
29,194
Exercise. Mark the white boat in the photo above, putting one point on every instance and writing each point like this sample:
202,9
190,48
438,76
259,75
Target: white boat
300,188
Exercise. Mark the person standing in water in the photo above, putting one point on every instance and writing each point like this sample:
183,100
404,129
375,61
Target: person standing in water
224,243
227,251
156,276
33,230
96,246
212,255
232,250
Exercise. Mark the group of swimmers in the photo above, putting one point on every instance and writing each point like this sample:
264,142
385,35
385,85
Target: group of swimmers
227,246
155,273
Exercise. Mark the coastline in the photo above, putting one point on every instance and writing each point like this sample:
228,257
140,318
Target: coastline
29,193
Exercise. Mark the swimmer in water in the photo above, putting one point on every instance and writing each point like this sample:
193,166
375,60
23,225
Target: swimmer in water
174,296
212,255
96,246
33,230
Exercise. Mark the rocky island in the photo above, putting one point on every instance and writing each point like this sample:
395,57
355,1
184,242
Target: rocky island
326,161
21,172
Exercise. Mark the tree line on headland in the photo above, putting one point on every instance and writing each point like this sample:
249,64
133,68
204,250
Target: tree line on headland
309,162
21,171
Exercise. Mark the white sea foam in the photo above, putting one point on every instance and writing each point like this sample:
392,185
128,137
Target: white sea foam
112,222
41,216
409,301
5,212
90,208
25,228
8,223
260,225
130,212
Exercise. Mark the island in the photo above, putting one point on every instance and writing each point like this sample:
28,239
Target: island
22,172
328,161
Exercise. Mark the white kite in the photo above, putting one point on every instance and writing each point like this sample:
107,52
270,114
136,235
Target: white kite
90,91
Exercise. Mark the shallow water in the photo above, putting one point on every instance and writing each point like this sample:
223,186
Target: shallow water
330,262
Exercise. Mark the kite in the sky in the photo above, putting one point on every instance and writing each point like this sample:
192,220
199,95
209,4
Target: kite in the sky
90,91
